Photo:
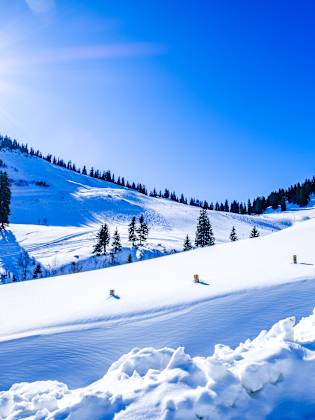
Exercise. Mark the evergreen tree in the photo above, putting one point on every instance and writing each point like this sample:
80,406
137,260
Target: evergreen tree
116,244
233,235
37,272
129,259
143,230
103,239
5,199
204,233
283,204
132,232
254,233
187,244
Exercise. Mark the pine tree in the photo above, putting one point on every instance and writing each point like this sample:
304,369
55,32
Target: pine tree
129,259
204,233
103,239
116,244
233,235
283,203
254,233
132,232
5,199
37,272
187,244
143,231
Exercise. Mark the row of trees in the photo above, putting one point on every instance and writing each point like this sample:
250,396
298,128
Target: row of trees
298,194
204,233
137,235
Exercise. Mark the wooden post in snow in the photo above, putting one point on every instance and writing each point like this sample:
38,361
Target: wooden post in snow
294,259
196,278
112,292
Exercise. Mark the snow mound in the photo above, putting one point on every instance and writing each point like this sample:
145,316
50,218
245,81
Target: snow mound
261,378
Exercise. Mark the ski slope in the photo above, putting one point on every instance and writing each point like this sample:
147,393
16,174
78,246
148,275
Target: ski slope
56,224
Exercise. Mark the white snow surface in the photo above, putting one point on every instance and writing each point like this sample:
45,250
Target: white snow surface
57,224
261,378
155,301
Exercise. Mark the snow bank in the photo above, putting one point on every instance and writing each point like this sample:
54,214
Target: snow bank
270,377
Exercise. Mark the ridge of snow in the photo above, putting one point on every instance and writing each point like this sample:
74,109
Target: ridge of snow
261,378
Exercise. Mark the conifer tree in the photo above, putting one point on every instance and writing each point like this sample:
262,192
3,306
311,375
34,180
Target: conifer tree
103,239
283,203
37,272
5,199
204,233
254,233
132,232
233,235
143,230
116,244
129,259
187,244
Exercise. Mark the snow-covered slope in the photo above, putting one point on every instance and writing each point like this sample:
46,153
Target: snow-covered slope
56,212
270,377
158,285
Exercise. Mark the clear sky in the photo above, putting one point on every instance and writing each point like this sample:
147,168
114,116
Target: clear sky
212,98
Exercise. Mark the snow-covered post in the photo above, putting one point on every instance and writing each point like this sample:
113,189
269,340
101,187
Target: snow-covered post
112,292
294,259
196,278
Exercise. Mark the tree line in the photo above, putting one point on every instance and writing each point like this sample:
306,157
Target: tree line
204,233
298,193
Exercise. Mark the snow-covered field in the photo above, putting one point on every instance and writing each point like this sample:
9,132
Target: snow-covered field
268,377
60,335
57,224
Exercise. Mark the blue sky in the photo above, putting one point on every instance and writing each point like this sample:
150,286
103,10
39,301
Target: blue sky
211,98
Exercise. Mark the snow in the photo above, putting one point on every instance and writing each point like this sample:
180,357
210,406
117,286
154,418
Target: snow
260,378
59,335
56,225
155,285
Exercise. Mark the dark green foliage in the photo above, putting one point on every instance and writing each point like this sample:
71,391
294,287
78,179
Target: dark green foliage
187,244
116,244
233,235
5,199
204,233
103,239
283,204
132,232
37,272
254,233
142,230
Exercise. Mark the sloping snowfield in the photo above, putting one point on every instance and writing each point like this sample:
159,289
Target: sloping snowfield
56,224
59,335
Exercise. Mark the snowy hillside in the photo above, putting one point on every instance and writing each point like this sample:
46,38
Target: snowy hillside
56,213
72,325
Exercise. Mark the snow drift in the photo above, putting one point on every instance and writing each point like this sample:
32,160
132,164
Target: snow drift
262,378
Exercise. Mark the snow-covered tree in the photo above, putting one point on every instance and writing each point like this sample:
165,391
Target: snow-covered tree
103,239
254,233
187,244
204,233
233,235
